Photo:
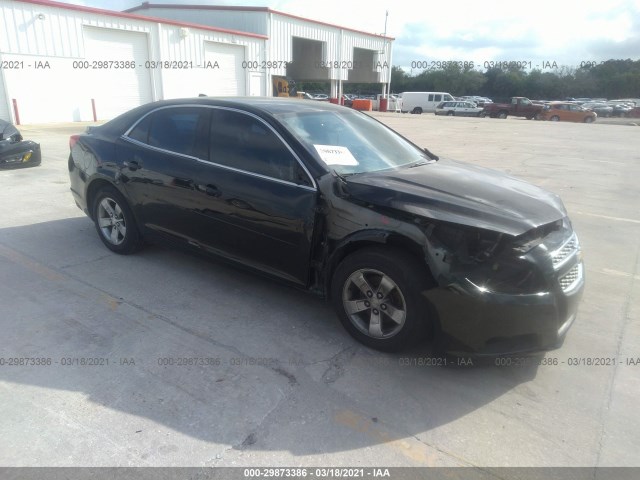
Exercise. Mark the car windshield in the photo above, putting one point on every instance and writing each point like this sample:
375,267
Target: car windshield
349,142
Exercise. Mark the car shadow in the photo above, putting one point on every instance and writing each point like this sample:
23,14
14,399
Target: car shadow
170,342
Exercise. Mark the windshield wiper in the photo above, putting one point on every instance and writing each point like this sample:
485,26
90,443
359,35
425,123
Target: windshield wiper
339,175
432,156
419,163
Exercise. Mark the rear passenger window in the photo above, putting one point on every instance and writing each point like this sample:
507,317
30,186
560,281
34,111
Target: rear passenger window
179,130
431,98
141,131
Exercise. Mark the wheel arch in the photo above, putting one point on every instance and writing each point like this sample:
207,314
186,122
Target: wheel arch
92,190
369,238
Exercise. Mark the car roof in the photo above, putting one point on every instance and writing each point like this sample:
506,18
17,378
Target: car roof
257,105
266,104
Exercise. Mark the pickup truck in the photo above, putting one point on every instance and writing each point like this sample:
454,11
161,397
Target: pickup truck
519,107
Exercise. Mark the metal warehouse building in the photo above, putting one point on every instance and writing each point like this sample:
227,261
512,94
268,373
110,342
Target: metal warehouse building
62,62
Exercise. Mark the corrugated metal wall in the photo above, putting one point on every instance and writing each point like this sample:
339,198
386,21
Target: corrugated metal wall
246,21
53,37
339,44
4,105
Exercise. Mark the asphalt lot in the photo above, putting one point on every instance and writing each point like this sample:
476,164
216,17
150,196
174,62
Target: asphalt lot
278,381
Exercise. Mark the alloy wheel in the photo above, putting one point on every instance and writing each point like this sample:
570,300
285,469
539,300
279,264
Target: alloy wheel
374,303
111,221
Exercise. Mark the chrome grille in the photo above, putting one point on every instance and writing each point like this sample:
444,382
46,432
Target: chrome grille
570,279
564,252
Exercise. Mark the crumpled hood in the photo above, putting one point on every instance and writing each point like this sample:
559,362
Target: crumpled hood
460,193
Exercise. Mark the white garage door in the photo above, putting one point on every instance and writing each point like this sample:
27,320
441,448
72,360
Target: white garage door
229,79
117,90
4,102
47,93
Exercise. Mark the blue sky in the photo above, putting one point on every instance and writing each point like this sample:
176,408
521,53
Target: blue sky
566,32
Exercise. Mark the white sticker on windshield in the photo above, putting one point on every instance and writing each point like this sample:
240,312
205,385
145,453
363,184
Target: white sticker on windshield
336,155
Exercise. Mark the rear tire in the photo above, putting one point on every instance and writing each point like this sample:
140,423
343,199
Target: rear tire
502,114
588,120
377,294
417,111
450,114
115,223
555,118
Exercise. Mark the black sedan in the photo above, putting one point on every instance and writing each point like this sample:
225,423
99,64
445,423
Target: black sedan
328,199
14,151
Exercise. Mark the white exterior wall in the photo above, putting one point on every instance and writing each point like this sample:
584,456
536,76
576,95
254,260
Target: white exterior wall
41,35
339,43
245,21
4,104
199,46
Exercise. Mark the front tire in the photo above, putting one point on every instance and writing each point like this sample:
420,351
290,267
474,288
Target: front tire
555,118
114,222
417,111
377,294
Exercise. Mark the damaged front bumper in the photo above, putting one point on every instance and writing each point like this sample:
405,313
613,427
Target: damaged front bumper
22,154
473,320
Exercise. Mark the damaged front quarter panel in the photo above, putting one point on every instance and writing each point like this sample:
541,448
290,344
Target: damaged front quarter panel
493,290
350,224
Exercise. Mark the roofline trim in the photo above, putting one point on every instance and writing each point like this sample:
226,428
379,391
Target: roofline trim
131,16
147,5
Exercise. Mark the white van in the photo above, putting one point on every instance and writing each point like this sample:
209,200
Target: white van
418,102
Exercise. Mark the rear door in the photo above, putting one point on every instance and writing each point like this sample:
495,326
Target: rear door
224,181
164,157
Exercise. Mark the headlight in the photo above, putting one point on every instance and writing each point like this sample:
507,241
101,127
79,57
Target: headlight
507,275
26,157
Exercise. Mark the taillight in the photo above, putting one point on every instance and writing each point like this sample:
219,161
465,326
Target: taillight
73,139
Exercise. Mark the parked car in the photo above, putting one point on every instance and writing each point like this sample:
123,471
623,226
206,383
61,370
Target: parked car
15,152
620,109
634,112
321,96
347,100
517,107
328,199
602,109
567,112
460,109
480,101
304,95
